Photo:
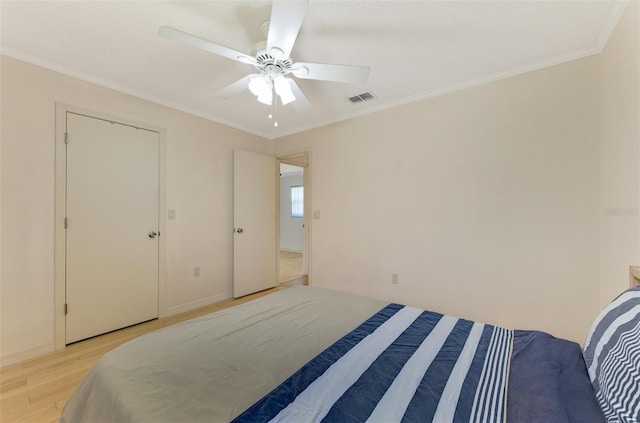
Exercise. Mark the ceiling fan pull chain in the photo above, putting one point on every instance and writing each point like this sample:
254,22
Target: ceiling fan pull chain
275,103
275,108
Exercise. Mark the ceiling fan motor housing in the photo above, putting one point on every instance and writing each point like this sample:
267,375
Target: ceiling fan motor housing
269,64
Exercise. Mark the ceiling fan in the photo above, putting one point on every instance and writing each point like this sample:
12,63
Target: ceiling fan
272,59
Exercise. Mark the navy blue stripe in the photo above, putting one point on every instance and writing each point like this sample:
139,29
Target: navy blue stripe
424,403
470,385
359,401
271,404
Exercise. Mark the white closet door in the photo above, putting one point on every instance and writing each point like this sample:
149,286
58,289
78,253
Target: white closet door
112,212
254,217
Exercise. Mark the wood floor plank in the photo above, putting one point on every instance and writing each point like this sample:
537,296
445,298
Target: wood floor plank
13,383
46,414
291,266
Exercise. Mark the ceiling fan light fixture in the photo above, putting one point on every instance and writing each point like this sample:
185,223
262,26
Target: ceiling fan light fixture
283,89
286,99
261,87
266,98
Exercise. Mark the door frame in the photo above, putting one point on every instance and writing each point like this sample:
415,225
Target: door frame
306,181
60,258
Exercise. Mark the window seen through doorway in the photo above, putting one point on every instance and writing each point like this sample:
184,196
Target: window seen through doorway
297,201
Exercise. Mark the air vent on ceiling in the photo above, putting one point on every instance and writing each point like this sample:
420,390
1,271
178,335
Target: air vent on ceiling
362,97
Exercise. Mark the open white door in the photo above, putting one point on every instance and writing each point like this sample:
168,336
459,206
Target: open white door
254,223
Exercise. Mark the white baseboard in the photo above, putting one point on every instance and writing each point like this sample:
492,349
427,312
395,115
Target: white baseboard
198,303
19,356
16,357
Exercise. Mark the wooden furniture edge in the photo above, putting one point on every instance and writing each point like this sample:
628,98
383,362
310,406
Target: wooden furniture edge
634,276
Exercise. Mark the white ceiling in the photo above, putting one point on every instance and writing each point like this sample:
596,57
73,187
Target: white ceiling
287,169
415,49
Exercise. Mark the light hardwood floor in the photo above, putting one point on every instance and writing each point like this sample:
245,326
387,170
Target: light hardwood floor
291,266
36,390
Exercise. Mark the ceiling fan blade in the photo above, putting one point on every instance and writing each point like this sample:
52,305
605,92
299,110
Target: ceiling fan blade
301,104
284,25
338,73
235,88
206,45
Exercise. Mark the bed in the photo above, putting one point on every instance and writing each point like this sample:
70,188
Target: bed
308,354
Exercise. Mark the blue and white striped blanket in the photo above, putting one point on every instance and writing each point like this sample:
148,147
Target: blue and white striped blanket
402,364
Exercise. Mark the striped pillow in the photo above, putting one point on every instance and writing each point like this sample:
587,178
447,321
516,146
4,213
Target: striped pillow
612,356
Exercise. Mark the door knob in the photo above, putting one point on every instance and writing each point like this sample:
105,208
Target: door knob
239,230
153,234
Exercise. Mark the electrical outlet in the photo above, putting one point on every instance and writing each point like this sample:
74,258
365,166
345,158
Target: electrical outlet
394,279
196,271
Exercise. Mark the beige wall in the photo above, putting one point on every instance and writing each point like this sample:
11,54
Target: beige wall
514,203
490,203
484,201
198,185
620,154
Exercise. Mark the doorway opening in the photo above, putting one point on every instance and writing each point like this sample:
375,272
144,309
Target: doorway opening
292,257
